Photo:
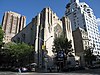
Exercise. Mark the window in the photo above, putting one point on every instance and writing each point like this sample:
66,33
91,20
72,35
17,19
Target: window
74,22
86,47
85,6
53,16
88,9
18,40
74,13
84,25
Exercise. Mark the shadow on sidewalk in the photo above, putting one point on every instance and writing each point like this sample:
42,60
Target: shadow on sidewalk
87,71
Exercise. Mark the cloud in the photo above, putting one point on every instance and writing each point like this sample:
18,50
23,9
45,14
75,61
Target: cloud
98,21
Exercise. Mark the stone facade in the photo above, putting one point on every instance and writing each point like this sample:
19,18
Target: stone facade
12,24
39,31
67,29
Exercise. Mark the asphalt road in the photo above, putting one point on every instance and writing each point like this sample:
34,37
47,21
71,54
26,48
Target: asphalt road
82,72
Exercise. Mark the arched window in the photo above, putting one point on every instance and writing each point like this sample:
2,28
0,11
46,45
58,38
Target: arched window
57,30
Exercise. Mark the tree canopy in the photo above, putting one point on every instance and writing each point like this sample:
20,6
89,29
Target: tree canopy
17,53
89,57
62,43
61,48
18,49
1,35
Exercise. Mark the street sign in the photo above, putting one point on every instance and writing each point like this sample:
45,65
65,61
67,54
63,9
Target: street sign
60,55
43,47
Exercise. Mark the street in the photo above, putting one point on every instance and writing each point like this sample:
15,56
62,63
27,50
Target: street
82,72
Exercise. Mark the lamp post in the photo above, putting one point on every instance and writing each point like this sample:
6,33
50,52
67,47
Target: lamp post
44,58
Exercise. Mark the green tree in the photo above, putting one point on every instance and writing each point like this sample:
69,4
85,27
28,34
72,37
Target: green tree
1,41
61,44
89,57
1,36
18,54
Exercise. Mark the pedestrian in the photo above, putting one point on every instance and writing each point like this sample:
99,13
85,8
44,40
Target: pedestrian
50,69
58,69
19,70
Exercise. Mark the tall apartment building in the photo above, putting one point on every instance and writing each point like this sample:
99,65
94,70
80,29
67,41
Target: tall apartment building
39,32
81,15
12,24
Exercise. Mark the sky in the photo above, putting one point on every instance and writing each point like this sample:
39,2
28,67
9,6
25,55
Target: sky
30,8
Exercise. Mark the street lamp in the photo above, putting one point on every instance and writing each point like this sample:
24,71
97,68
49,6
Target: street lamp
45,40
44,59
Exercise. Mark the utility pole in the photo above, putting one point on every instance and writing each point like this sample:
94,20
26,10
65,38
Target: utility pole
44,58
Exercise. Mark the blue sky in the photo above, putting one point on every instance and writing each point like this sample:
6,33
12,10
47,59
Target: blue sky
31,8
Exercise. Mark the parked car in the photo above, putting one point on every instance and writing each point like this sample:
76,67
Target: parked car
31,67
21,69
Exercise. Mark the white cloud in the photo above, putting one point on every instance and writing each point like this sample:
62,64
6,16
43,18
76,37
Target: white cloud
98,21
